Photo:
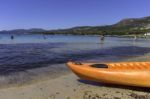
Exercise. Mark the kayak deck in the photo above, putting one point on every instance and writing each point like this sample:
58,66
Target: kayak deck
121,65
125,73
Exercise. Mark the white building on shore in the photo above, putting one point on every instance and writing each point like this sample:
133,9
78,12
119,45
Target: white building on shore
147,34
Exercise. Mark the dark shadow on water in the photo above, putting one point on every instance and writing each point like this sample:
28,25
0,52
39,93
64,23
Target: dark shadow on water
99,84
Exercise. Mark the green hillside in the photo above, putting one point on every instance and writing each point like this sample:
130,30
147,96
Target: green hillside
124,27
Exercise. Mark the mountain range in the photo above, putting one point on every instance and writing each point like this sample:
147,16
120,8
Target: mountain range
124,27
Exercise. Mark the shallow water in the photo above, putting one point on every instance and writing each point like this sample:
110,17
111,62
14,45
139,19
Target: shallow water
26,51
41,54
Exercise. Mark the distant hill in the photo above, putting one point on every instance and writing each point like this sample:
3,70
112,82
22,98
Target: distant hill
124,27
135,22
23,31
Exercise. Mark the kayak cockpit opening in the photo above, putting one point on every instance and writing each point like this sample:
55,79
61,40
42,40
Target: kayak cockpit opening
77,63
99,65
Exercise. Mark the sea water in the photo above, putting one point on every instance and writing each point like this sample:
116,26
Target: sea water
27,57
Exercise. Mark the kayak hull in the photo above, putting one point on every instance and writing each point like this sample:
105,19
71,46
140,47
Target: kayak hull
129,73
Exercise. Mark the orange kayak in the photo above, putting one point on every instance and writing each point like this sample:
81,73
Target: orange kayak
125,73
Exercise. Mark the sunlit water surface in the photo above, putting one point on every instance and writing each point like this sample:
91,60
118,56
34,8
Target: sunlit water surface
28,55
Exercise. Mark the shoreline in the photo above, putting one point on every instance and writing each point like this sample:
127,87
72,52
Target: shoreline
33,76
69,86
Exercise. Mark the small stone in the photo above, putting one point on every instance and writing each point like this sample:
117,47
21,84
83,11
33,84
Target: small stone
41,88
68,97
141,97
117,92
104,94
133,95
74,89
57,92
117,98
52,96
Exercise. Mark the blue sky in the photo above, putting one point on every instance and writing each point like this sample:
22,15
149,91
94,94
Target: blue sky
56,14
